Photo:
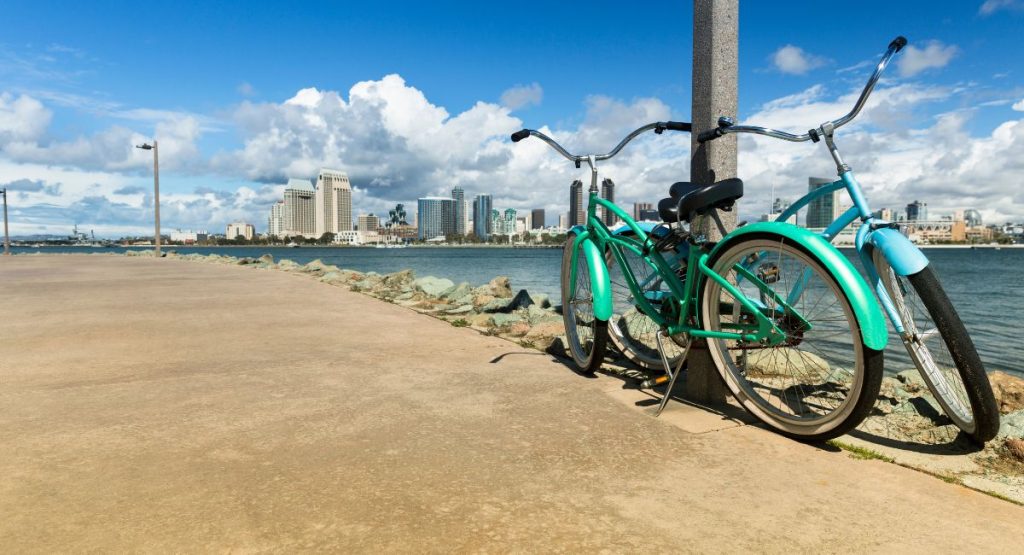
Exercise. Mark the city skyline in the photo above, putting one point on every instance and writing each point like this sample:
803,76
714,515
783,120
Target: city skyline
945,124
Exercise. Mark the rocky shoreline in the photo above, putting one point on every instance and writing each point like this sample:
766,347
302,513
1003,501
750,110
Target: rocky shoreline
905,414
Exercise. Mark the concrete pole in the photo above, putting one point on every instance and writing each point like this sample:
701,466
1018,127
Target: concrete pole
715,71
7,235
156,194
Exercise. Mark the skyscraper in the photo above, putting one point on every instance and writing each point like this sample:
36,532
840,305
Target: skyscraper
368,222
460,210
299,208
333,202
608,193
537,215
482,216
577,210
639,207
435,217
823,210
275,223
240,229
917,211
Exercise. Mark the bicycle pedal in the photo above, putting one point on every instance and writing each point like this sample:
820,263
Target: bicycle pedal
651,383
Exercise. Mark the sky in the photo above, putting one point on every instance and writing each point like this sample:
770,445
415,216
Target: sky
413,98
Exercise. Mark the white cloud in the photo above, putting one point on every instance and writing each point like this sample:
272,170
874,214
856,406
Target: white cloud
1019,105
521,96
991,6
22,119
914,60
795,61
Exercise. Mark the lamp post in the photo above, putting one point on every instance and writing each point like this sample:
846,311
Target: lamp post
7,236
156,188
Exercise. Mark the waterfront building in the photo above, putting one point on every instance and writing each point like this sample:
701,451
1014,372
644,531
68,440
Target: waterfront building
482,216
577,210
459,196
240,229
275,223
640,206
648,215
917,211
608,193
972,218
884,214
537,218
436,217
823,210
333,202
188,237
299,209
369,223
563,221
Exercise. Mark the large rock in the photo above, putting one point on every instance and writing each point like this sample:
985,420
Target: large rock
506,305
266,259
432,286
287,265
1009,391
504,320
1012,425
318,268
498,287
398,280
457,291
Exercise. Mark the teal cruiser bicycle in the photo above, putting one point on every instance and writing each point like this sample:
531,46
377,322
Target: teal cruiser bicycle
797,332
907,286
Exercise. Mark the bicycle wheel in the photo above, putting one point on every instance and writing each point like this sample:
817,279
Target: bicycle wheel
941,349
631,331
587,336
823,380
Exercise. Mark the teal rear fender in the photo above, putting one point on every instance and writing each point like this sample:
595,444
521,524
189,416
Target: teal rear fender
872,323
600,284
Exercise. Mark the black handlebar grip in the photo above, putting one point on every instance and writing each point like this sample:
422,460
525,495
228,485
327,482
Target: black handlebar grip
678,126
520,135
709,135
898,43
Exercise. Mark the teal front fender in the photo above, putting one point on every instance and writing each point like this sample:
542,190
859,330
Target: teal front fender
872,323
600,283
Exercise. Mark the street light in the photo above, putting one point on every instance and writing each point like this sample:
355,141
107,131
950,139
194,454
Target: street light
7,236
156,188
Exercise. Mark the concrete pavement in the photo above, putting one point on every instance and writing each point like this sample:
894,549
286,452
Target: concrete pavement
163,405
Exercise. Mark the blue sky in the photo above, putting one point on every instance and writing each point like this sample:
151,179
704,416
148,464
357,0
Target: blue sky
214,80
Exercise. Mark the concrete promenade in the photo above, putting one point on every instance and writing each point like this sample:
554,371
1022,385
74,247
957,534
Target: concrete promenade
163,405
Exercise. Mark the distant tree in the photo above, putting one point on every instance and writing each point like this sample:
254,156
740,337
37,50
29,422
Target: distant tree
326,239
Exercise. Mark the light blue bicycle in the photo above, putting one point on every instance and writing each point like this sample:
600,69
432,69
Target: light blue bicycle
906,286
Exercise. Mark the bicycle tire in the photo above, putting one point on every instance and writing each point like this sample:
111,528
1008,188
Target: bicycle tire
631,331
801,388
586,335
951,368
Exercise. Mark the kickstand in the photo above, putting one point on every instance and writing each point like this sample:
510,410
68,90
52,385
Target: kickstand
668,368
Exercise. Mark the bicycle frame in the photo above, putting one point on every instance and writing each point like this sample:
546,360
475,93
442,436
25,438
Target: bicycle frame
606,240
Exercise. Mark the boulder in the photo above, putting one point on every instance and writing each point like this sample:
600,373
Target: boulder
506,305
266,259
399,280
538,315
432,286
317,267
287,265
1012,425
1015,448
1009,391
457,291
464,309
503,320
542,300
498,287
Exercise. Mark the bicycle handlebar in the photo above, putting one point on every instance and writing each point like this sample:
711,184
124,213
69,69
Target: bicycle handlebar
725,125
658,128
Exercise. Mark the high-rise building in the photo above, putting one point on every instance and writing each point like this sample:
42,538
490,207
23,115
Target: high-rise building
639,207
299,209
275,223
823,210
649,215
577,210
240,229
537,216
917,211
460,210
482,216
436,217
608,193
563,220
333,202
510,221
368,222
